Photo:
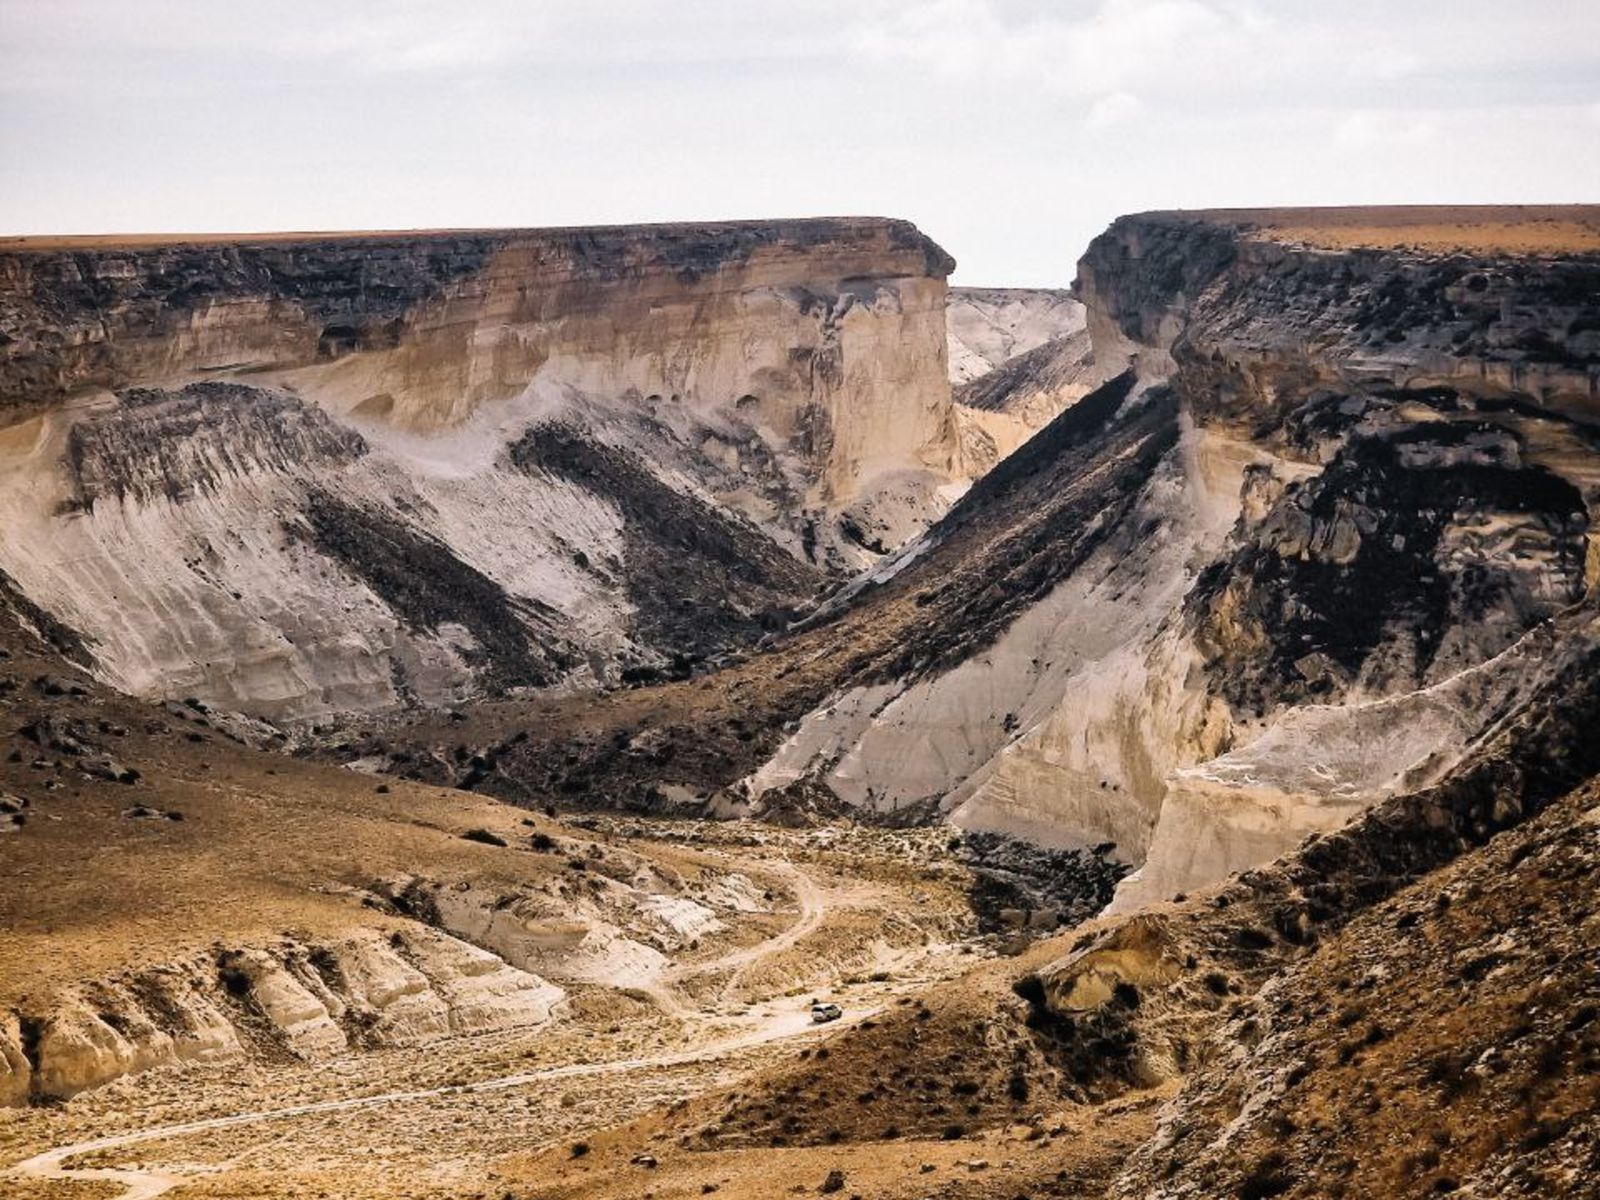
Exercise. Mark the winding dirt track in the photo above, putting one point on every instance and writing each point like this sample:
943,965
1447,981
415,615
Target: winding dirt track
145,1183
813,908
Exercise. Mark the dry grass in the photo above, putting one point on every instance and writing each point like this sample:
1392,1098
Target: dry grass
1486,229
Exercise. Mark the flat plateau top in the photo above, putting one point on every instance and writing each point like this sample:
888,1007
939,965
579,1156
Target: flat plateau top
671,229
1496,228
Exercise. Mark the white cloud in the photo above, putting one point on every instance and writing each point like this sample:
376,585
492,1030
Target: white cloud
1369,129
416,36
1108,112
1108,49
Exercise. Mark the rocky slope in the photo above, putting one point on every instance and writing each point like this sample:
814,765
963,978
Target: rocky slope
988,327
1018,357
1403,1008
1369,501
176,898
301,475
1289,625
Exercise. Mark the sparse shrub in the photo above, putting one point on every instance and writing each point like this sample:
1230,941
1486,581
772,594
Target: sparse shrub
1267,1180
1247,938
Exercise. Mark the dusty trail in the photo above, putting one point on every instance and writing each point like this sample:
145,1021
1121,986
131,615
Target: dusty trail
813,910
766,1026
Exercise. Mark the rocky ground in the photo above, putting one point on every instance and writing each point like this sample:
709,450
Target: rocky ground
199,930
1283,641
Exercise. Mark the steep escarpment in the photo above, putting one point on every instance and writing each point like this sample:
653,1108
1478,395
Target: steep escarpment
1072,501
1422,547
1375,505
1425,514
1271,299
1414,981
1183,626
699,578
282,474
82,313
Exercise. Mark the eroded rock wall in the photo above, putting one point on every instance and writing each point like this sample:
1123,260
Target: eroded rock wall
1376,502
306,1002
280,475
1018,357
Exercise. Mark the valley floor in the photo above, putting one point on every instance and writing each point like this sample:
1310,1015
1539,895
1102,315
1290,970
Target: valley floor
433,1119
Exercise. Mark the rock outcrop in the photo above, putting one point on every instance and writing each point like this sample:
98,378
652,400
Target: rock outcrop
308,1002
1419,979
299,475
1374,502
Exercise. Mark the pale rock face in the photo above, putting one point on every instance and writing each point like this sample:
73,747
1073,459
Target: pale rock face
619,936
1317,767
1018,357
220,594
398,999
1327,594
16,1074
482,992
1064,730
316,1002
535,931
78,1048
303,1011
989,326
784,381
1138,951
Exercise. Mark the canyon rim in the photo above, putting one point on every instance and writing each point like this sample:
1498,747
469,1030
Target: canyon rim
1003,695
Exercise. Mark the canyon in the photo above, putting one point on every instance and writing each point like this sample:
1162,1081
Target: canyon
439,665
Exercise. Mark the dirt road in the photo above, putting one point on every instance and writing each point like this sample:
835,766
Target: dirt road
767,1023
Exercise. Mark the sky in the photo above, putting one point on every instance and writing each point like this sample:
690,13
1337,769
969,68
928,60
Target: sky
1011,131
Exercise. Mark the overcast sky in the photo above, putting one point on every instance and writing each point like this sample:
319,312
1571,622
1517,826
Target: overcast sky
1010,130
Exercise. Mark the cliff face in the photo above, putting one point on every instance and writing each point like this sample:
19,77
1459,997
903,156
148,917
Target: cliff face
280,474
1377,498
1422,425
440,324
989,327
1418,978
1263,294
1018,357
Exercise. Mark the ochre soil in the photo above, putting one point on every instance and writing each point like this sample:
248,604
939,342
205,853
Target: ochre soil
1485,229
